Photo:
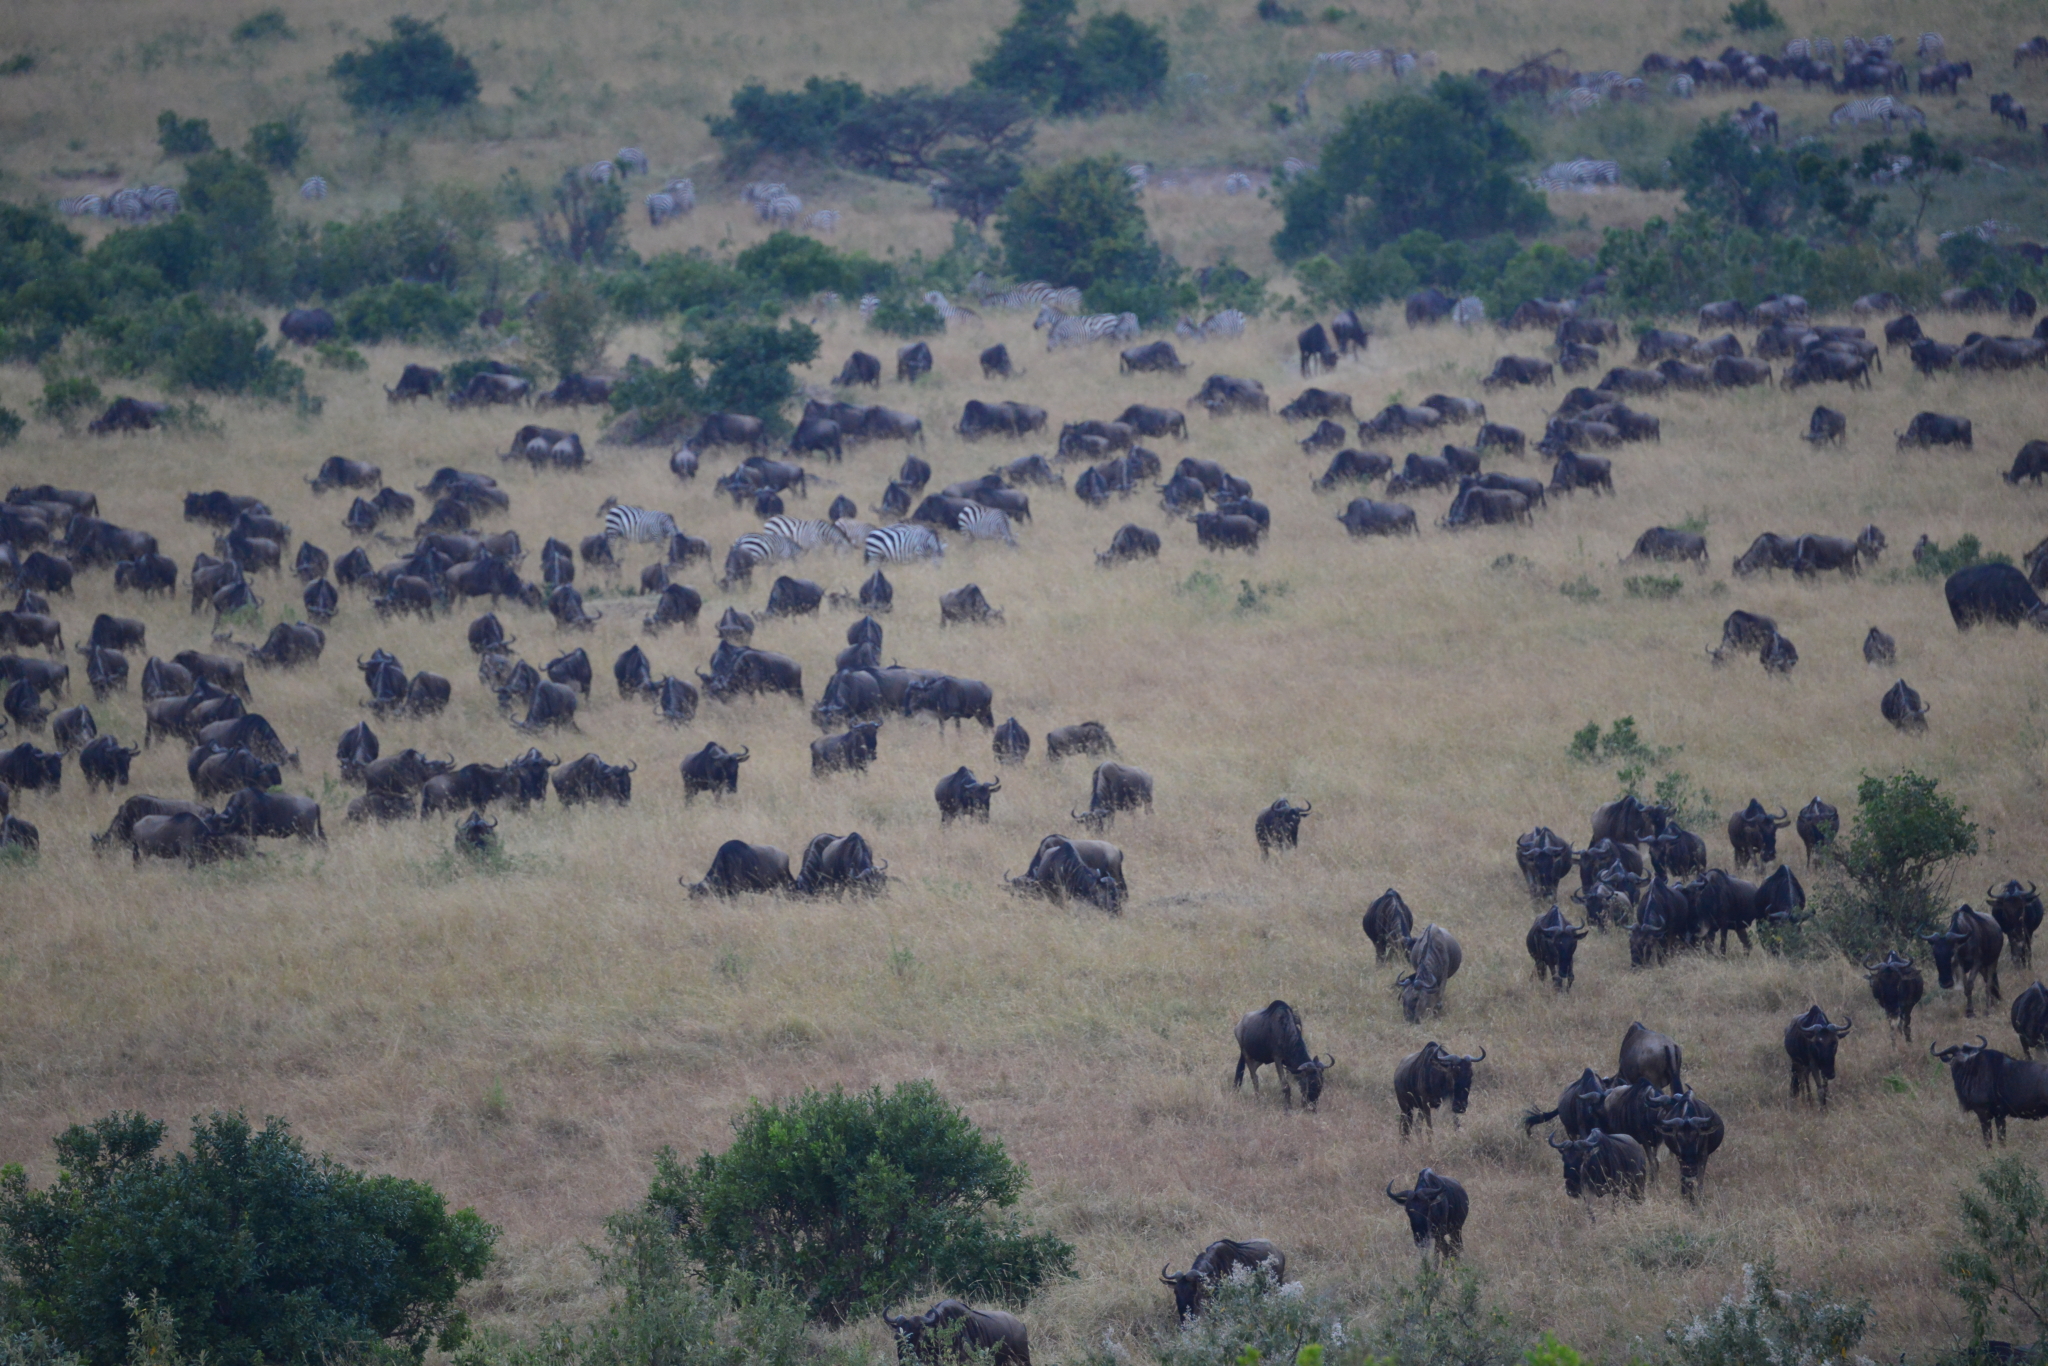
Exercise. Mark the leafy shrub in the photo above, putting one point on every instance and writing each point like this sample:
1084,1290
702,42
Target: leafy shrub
1080,224
907,318
416,68
20,64
225,354
402,311
571,326
336,355
1766,1322
674,282
149,263
263,25
657,403
446,238
1936,561
66,400
1115,59
1748,16
1248,1314
182,137
1118,61
581,221
10,426
277,144
1900,854
1581,590
875,1195
1653,585
2001,1269
750,368
787,123
259,1250
789,265
231,200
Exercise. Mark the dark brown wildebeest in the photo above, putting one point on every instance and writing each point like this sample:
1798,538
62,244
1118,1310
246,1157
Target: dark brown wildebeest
1520,370
1818,824
1994,1086
1810,1043
1826,425
1214,1263
1627,821
1131,542
1901,705
1753,833
1012,742
476,837
195,839
1387,922
1279,826
591,779
967,605
1434,957
1273,1035
1693,1131
1603,1164
1971,946
741,867
712,769
1647,1056
1437,1207
1364,517
851,752
1574,471
1553,944
2030,1018
1879,648
2030,463
1936,429
418,381
305,326
1087,737
1545,859
104,761
1426,1079
1224,394
862,368
960,793
1311,404
278,815
1580,1108
1667,543
1897,987
1115,787
995,364
968,1334
2017,910
913,362
1767,552
1150,358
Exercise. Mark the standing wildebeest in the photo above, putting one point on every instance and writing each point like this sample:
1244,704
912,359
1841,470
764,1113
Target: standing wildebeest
278,815
1936,429
2030,463
913,362
1434,957
1088,737
1826,425
1553,944
418,381
1518,370
2017,910
1666,543
995,364
712,769
1901,705
1315,348
105,761
969,1333
1971,944
1426,1079
1767,552
1993,592
862,368
1545,859
1810,1042
1603,1164
1273,1035
852,751
1131,542
960,794
2030,1018
1012,742
1279,826
1693,1131
1647,1056
1897,986
1818,824
1581,1107
1216,1262
741,867
1628,821
1116,787
1994,1086
1753,833
1436,1208
1386,921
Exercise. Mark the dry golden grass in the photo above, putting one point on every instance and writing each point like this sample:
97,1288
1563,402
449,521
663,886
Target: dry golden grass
1420,698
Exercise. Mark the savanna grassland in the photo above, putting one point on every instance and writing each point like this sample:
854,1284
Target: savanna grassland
527,1039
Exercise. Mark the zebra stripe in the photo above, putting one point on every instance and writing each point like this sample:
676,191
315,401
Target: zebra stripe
1294,166
661,208
684,192
803,533
1585,172
824,220
761,191
314,188
600,172
1931,48
1469,311
127,206
1581,100
978,523
1228,323
1036,294
84,204
631,161
1881,109
904,543
639,525
782,210
160,199
1139,174
868,304
1061,330
1403,64
827,299
764,547
1237,182
1681,86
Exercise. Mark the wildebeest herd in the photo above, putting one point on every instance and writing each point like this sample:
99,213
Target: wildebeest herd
1640,873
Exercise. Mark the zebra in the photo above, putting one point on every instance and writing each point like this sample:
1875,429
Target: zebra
782,209
1931,48
127,205
1581,100
1228,323
314,188
684,192
1403,64
1237,182
948,310
763,547
978,523
84,204
600,173
868,304
826,300
803,533
1294,166
1061,330
761,191
1881,109
160,199
1469,311
661,208
1681,86
824,220
903,543
1585,172
1037,294
636,524
631,161
1139,173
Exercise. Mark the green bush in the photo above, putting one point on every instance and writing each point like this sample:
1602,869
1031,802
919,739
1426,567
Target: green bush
1896,864
446,238
1748,16
336,355
225,354
750,368
855,1201
10,426
1936,561
1081,224
402,311
260,1250
2000,1271
1119,61
20,64
1114,60
789,265
150,263
907,318
658,403
581,222
784,123
66,400
571,326
1653,585
1767,1322
261,26
182,137
277,144
416,68
674,282
231,200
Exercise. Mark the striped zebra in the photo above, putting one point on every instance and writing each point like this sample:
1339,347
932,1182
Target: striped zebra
781,210
824,220
804,533
314,188
1681,87
1581,100
127,205
660,208
904,543
761,191
1061,330
83,205
1403,64
978,523
631,161
1585,172
1931,48
1881,109
160,199
868,304
684,192
1294,166
763,547
826,300
1469,311
1228,323
622,521
947,309
1036,294
600,172
1237,182
1139,173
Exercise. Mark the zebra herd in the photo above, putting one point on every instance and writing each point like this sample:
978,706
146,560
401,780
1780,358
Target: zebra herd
130,205
1375,59
672,200
1062,330
1579,175
1880,109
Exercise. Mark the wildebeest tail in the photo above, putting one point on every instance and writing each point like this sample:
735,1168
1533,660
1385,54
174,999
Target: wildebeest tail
1533,1117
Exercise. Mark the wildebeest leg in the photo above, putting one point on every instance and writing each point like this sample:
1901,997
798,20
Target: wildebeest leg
1238,1083
1406,1120
1742,933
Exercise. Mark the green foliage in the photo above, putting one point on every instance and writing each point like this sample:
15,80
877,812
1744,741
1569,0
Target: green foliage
1245,1316
33,1346
1749,16
1439,1319
659,401
257,1249
1765,189
1443,160
1936,561
1034,56
873,1196
571,326
581,221
230,200
415,68
787,123
1667,267
1972,261
1581,590
1551,1352
182,137
1655,586
907,318
2000,1269
1766,1322
691,284
10,426
1539,271
402,311
225,354
789,265
1689,804
750,368
1114,60
1907,833
20,64
150,263
336,355
279,143
68,399
445,238
1080,224
262,26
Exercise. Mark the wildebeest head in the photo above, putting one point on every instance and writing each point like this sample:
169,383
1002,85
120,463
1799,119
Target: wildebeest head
1419,991
476,835
1819,1037
1428,1209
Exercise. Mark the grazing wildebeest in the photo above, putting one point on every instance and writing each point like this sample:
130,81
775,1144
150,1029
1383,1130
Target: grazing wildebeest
1936,429
591,779
1150,358
1818,824
1901,705
1753,833
1647,1056
960,793
1826,425
970,1333
967,605
1062,869
1279,826
1520,370
1386,922
1273,1035
2017,910
850,752
1130,543
1666,543
1603,1164
1810,1043
1364,517
278,815
1087,737
1436,1207
1553,944
1993,592
1970,945
1115,787
1994,1086
1012,742
1434,957
1426,1079
712,769
1767,552
105,761
741,867
2030,463
862,368
1216,1262
1879,648
193,838
2030,1018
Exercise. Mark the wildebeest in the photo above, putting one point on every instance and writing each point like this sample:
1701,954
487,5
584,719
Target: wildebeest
1994,1086
193,838
1897,987
71,728
1434,957
675,701
862,368
1130,543
913,362
788,597
1427,306
1768,551
1387,922
1818,824
1520,370
1086,737
1753,833
1692,1130
1150,358
476,836
1316,352
1545,859
713,769
307,325
1580,1109
121,830
1574,471
1553,945
1666,543
1879,648
1936,429
1273,1035
838,864
1012,742
1993,592
1647,1056
995,364
418,381
1062,869
1279,826
1115,787
1223,394
104,762
1901,705
1313,403
2030,1018
147,574
1364,517
1437,1208
1810,1043
1355,465
591,779
277,815
1970,946
960,793
1215,1263
973,1332
729,429
1603,1164
966,605
741,867
850,752
1826,425
1427,1078
2017,910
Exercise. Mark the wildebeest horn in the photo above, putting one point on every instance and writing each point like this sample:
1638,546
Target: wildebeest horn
1164,1277
1551,1139
1307,807
1404,981
1329,1060
1845,1026
892,1321
1481,1057
1397,1199
1075,814
996,786
1781,819
745,750
1991,893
